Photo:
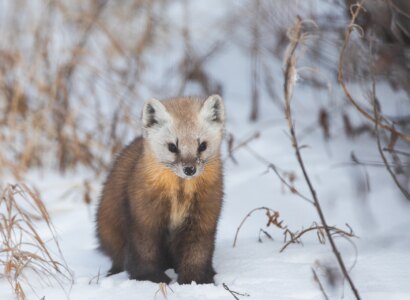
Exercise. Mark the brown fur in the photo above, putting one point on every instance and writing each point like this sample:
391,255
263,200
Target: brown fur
149,219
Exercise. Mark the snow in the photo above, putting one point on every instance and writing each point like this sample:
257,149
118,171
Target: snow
379,218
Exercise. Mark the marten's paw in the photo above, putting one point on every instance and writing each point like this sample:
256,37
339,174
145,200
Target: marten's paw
114,270
204,279
157,277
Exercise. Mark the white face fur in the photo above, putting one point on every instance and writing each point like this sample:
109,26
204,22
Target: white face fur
184,134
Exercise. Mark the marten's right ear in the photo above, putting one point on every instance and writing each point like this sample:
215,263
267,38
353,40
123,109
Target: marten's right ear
154,115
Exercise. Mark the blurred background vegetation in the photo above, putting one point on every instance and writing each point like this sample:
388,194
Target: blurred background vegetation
73,74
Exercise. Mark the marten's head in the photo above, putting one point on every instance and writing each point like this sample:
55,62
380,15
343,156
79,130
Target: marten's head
184,133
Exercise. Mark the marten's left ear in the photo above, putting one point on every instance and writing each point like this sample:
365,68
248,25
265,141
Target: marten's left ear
154,115
213,110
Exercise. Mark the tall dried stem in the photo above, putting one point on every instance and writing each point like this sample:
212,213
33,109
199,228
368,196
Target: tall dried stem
295,37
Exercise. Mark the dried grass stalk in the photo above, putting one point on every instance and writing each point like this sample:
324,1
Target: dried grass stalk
22,249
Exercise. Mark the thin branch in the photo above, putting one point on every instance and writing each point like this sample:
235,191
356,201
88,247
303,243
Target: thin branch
397,152
316,278
295,238
233,293
291,188
265,233
379,145
232,149
295,36
355,10
255,63
272,215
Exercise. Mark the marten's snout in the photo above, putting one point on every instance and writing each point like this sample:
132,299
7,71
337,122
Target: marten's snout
189,171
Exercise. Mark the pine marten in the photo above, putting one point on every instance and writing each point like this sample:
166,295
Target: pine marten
161,202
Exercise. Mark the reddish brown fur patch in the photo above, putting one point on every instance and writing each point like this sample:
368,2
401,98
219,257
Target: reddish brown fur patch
169,186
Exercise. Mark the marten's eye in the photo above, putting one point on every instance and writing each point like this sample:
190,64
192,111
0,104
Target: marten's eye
202,147
172,148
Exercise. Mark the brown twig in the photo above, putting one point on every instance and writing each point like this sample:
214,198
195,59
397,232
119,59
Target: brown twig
379,145
230,142
273,218
265,233
291,187
397,152
232,149
255,63
295,237
96,277
295,37
233,293
316,278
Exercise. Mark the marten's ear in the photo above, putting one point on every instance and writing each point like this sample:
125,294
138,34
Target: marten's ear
154,114
213,110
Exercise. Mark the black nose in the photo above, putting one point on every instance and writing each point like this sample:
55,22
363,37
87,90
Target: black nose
189,171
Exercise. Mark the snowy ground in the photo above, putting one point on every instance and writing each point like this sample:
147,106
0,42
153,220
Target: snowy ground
380,219
381,256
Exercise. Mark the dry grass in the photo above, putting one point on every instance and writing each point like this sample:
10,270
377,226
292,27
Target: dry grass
163,290
24,253
51,104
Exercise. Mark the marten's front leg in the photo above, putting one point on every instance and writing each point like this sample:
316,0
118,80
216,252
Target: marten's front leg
193,251
145,256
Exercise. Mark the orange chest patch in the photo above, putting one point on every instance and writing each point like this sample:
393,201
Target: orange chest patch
179,192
